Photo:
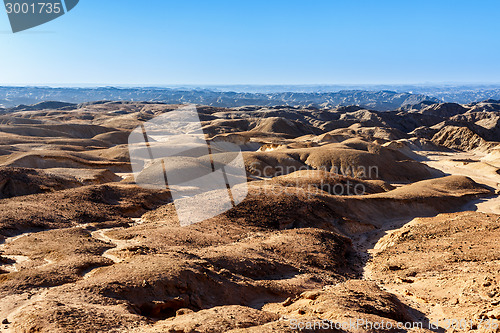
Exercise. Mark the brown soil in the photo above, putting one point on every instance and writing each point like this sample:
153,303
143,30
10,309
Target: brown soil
85,249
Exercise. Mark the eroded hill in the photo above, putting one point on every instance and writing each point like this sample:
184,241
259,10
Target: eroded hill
350,213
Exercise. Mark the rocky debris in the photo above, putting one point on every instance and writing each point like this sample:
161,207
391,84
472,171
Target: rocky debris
52,263
447,262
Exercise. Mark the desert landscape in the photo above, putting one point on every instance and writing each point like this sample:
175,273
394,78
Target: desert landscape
352,215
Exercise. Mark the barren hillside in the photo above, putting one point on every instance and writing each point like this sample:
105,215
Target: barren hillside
351,214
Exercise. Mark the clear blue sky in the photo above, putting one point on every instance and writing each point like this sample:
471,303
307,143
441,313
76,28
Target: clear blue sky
161,42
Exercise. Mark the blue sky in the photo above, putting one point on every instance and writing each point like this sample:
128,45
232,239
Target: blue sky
162,42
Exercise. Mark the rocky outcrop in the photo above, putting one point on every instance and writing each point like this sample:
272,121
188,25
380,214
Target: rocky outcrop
461,138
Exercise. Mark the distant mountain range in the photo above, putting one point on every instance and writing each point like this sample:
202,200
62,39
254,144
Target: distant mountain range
223,96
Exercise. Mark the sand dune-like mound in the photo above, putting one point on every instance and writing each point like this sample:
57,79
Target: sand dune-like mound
424,198
88,204
215,320
115,137
30,131
15,142
56,159
407,147
9,120
270,205
363,118
458,185
281,125
381,163
382,133
68,130
82,144
85,176
118,153
19,181
322,181
357,131
221,126
125,121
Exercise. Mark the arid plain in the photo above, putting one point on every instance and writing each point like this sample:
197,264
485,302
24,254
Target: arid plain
351,214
